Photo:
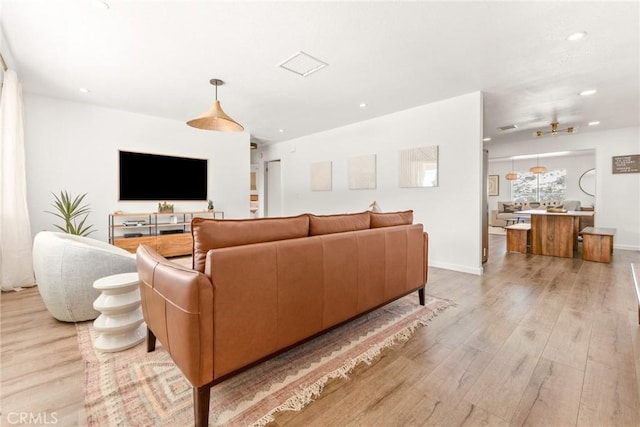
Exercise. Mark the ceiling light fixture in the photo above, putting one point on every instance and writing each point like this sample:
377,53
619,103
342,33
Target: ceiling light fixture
84,90
363,105
593,123
486,139
508,127
537,169
577,36
99,4
588,92
513,175
215,118
554,130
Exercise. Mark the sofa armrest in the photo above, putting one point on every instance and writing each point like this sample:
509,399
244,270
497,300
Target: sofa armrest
177,306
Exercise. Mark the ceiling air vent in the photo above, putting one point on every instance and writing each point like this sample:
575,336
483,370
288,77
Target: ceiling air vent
508,127
303,64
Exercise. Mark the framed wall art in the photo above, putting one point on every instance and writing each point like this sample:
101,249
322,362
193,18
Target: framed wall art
419,167
321,176
362,172
493,185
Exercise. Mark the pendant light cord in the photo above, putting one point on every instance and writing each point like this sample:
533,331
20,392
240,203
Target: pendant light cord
4,64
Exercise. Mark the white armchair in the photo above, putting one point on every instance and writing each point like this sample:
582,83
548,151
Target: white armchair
65,268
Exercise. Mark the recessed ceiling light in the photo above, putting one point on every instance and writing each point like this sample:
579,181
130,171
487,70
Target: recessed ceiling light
577,36
486,139
363,105
84,90
593,123
588,92
281,130
99,4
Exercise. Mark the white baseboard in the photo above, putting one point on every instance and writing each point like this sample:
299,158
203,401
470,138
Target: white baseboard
456,267
626,247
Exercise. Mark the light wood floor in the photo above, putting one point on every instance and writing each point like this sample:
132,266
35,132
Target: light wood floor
536,340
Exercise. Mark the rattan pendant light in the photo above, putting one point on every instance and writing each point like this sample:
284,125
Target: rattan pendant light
537,169
513,175
215,118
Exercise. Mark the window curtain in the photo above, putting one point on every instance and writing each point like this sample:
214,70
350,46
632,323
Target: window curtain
16,265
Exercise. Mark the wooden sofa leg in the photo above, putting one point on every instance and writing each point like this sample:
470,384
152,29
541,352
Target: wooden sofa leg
201,397
151,341
421,296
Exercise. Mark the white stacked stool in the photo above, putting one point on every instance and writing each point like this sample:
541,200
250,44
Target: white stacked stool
120,326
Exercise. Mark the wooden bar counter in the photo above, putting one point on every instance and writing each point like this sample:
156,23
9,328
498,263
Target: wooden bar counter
555,233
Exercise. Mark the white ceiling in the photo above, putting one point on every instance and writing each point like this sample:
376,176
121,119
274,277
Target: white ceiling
157,57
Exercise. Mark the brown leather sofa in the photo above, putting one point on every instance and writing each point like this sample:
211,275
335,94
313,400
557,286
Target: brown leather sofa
260,286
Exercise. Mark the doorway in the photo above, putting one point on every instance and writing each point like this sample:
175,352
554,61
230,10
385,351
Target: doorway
273,189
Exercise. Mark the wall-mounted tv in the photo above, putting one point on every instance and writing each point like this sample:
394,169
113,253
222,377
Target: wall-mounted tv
156,177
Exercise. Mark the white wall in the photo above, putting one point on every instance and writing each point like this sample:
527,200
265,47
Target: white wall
74,147
450,212
617,201
575,165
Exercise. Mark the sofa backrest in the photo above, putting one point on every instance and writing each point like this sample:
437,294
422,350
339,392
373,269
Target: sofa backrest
515,207
214,234
329,224
390,219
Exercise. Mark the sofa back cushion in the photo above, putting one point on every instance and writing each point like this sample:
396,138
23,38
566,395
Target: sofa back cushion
328,224
390,219
213,233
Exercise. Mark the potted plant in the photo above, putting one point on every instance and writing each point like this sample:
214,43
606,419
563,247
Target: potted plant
210,206
165,207
74,215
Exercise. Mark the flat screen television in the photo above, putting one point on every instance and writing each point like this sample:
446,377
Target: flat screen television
156,177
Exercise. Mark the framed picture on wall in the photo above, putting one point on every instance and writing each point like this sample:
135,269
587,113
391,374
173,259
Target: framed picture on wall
419,167
493,185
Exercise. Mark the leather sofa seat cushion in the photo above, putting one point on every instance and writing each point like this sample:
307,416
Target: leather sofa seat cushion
390,219
213,234
329,224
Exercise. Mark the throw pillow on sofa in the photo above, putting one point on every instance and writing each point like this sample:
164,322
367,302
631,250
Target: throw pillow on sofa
509,208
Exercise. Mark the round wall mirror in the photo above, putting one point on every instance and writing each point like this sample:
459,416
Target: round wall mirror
587,182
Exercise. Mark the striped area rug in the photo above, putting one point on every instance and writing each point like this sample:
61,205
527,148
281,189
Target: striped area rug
136,388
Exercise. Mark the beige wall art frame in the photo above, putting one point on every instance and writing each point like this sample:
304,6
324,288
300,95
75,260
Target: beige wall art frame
419,167
493,185
362,172
321,176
